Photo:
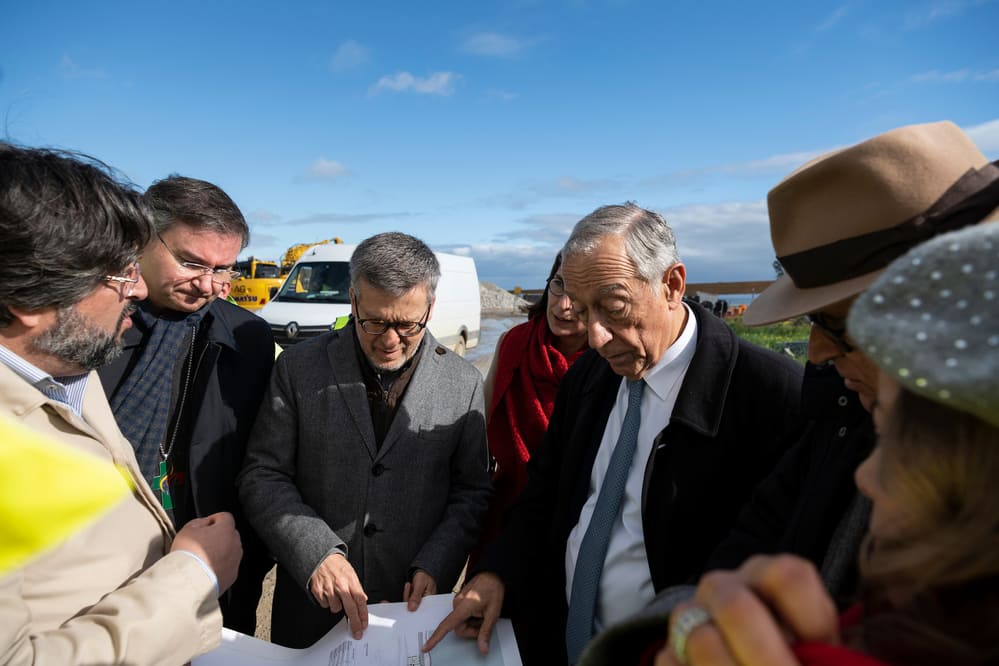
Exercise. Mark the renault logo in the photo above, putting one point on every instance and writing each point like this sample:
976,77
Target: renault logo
291,329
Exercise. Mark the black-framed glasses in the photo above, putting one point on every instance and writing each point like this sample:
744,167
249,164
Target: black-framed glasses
128,280
220,276
834,329
556,286
404,329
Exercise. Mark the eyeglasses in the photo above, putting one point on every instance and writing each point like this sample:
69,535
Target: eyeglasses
128,280
220,276
556,286
404,329
834,329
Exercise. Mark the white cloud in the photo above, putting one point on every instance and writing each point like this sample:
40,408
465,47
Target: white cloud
938,10
729,241
333,219
502,95
551,229
438,83
985,136
326,170
833,19
72,70
775,164
956,76
262,216
724,241
349,55
509,264
562,187
782,162
493,44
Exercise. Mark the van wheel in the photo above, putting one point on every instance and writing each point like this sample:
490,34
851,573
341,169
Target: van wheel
459,347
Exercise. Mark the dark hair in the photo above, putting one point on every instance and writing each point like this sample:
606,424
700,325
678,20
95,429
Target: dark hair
66,221
539,308
942,465
396,263
196,203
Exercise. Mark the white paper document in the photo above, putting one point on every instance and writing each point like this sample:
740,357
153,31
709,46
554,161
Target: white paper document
393,638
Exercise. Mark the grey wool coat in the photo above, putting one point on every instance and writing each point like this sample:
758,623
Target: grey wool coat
314,482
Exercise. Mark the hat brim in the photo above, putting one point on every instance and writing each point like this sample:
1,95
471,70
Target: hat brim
782,300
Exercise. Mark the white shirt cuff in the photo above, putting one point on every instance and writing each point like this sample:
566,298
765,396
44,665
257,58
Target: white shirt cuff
204,565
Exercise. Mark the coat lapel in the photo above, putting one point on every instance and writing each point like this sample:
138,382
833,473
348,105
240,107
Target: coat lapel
346,375
418,400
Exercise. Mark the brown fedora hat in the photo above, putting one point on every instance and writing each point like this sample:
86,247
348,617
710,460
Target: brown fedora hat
839,220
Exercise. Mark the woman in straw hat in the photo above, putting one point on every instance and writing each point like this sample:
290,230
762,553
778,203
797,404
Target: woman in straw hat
930,564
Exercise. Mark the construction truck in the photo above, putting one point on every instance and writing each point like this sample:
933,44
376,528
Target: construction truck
260,280
292,254
257,283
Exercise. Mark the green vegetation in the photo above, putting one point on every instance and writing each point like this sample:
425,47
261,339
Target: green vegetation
791,335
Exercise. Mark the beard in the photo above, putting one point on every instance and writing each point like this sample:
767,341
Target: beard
76,340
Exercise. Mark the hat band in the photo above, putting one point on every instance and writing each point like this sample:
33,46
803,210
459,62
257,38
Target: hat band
966,202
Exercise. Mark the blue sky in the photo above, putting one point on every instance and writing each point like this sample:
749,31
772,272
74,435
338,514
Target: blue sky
490,128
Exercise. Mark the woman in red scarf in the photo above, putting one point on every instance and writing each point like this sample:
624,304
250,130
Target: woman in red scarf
520,389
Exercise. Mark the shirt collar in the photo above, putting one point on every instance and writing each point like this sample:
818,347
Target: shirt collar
660,377
67,390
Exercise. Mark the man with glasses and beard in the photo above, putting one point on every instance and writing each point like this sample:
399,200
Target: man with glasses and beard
188,384
367,470
126,588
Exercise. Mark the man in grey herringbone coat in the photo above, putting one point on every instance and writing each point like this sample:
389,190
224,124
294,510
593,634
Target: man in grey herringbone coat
367,469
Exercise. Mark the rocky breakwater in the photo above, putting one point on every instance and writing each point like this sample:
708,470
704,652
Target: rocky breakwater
498,301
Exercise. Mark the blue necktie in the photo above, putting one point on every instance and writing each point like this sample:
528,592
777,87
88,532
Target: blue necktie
593,549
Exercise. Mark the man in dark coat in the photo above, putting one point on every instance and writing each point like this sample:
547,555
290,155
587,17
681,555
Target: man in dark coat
714,411
367,471
187,387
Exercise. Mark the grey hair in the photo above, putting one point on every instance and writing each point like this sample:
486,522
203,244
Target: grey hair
648,239
197,203
396,263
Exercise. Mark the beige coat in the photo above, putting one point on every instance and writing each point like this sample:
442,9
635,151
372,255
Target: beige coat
110,594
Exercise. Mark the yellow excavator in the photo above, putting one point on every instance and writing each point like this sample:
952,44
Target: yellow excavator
259,280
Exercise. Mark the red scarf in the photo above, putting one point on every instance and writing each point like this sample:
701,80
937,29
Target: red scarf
528,372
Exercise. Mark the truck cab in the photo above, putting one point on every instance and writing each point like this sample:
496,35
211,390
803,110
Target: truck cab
257,283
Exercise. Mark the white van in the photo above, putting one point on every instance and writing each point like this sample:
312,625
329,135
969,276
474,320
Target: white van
316,293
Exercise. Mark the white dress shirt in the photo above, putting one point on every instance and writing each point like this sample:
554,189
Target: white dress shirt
626,582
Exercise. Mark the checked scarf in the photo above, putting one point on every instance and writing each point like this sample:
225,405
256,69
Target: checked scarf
142,403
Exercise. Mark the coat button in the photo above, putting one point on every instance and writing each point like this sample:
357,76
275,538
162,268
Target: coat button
378,469
370,530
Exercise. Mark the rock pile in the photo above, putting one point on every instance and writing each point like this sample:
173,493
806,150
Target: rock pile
496,300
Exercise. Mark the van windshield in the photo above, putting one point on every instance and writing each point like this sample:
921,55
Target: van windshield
317,282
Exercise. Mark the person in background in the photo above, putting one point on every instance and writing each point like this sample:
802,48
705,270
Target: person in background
126,588
930,575
520,389
187,387
367,473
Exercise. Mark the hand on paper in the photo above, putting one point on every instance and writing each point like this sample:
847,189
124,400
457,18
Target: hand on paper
757,611
335,586
476,609
423,585
215,540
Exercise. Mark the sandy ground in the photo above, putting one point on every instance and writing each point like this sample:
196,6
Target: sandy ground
492,327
